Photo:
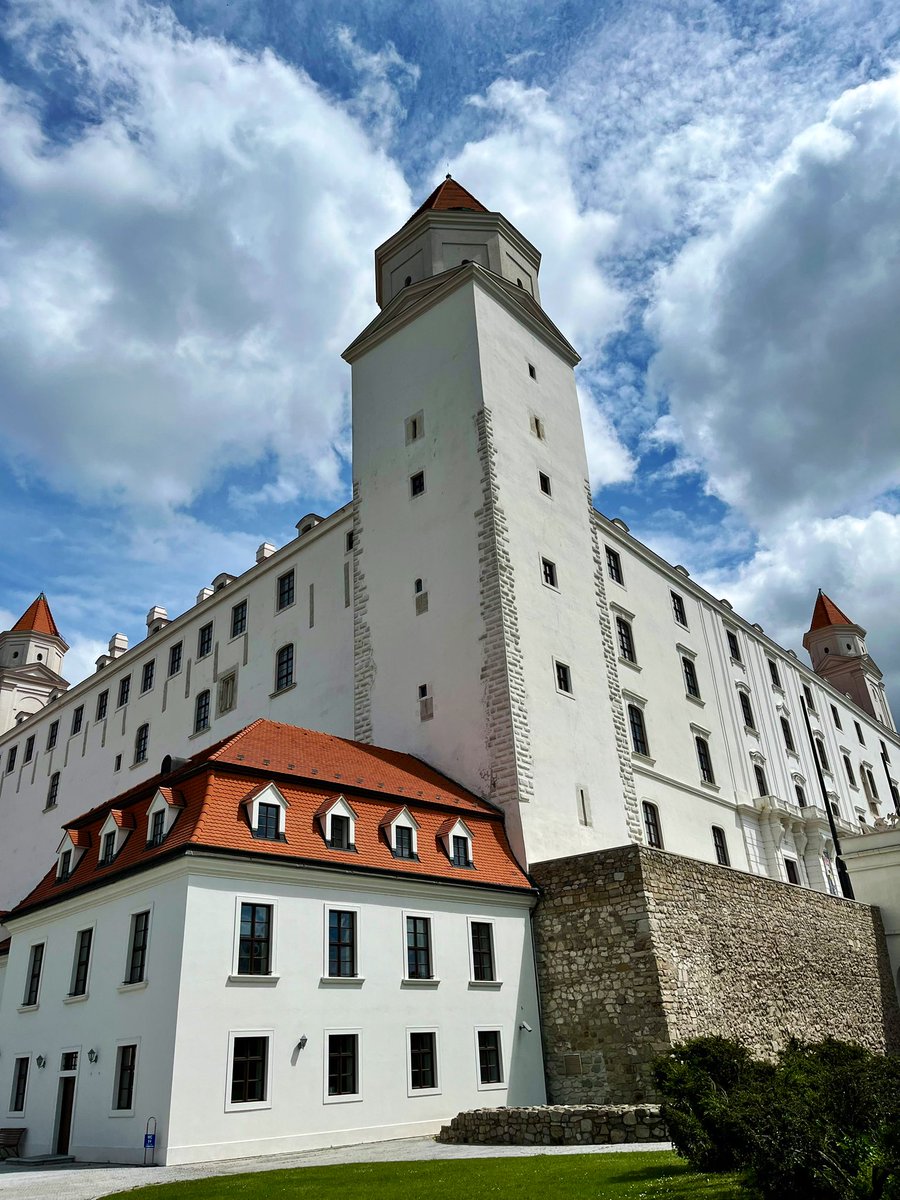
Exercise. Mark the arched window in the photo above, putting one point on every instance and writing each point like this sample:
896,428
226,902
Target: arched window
638,731
652,827
801,794
848,767
141,741
762,785
705,761
720,846
747,710
201,712
284,667
821,755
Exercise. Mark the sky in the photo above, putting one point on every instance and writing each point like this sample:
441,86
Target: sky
190,196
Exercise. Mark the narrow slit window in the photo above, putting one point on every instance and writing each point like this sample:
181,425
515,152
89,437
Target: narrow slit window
544,481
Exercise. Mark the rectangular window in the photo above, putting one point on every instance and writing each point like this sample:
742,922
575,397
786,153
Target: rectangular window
124,690
836,717
147,673
201,712
792,873
340,832
312,605
762,785
422,1061
267,822
102,705
678,609
239,619
490,1062
255,942
249,1070
415,427
691,686
284,668
341,944
721,846
65,865
426,703
346,585
820,754
204,640
460,856
532,371
227,693
78,719
82,962
626,640
403,842
126,1061
117,763
652,827
482,952
417,484
29,749
808,697
859,733
175,658
548,572
614,566
773,671
418,948
108,852
158,827
52,734
53,790
704,760
20,1085
563,678
747,710
639,742
343,1064
33,984
800,794
348,542
285,590
733,648
11,759
137,947
787,734
544,481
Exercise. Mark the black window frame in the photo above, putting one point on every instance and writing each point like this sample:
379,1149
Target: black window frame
720,845
640,743
734,646
11,756
614,565
404,845
792,870
141,743
249,1069
268,823
625,637
65,866
126,1070
102,705
53,734
239,613
704,760
652,825
124,693
679,612
423,1072
255,939
747,710
344,839
691,683
563,674
848,768
176,653
762,783
822,754
285,590
800,793
859,733
205,640
788,735
33,978
53,791
343,1064
342,943
545,483
148,675
774,673
202,711
419,957
82,965
808,697
157,831
460,847
836,717
108,848
417,484
481,935
20,1084
138,939
548,572
284,667
490,1057
28,753
77,720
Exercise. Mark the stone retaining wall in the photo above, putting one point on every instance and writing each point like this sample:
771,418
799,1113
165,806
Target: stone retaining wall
556,1125
638,949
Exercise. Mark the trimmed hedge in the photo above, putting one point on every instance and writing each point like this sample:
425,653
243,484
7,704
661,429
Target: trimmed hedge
822,1122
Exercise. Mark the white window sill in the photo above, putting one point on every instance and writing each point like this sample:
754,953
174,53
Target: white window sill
133,987
629,662
121,1112
252,981
419,983
413,1092
354,1099
281,691
749,729
698,700
342,981
486,985
491,1087
736,662
199,732
710,787
643,758
250,1106
27,1008
76,999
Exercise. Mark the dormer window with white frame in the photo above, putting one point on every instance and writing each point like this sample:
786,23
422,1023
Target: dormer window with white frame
266,813
113,835
401,830
456,839
68,856
337,823
162,814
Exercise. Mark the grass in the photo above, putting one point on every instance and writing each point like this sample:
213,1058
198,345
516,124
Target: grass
636,1176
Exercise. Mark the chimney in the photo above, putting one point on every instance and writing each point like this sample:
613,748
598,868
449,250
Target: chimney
118,644
266,550
157,619
204,594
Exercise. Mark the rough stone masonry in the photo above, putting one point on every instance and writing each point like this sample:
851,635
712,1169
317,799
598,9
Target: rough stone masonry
638,949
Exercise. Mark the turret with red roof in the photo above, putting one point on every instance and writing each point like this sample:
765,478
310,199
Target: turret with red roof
31,660
837,648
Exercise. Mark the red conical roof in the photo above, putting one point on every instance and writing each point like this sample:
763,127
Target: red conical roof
447,197
37,618
826,613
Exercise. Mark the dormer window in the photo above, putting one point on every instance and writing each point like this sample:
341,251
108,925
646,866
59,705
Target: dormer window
69,853
109,848
403,842
161,815
461,852
113,835
337,822
266,813
456,839
401,830
65,865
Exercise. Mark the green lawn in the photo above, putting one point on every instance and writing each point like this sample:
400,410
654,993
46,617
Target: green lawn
640,1176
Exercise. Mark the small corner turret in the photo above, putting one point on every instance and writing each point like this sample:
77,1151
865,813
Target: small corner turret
837,649
31,660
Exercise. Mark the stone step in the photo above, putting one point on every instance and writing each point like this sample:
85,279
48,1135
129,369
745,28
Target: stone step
40,1160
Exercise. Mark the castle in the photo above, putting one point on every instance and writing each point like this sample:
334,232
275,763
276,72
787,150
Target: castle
512,652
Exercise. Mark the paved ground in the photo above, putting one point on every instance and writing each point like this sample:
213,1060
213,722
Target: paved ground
83,1181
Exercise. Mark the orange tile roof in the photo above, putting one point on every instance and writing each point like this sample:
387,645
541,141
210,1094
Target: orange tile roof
449,196
826,613
310,770
37,618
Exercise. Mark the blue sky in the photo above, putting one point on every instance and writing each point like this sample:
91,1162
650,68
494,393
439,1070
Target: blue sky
190,197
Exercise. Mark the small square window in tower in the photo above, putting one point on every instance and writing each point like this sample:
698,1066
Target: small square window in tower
532,371
417,484
426,703
537,427
415,427
421,597
548,572
563,678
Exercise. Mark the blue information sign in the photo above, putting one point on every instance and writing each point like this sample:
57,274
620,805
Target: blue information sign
149,1141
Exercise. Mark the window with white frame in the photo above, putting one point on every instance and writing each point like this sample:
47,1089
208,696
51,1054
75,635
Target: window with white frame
342,1066
161,815
141,743
788,735
626,640
704,760
205,640
284,667
774,673
341,950
138,941
734,648
53,791
548,573
249,1070
113,834
415,427
691,685
284,593
481,942
255,939
720,846
201,711
337,822
266,810
239,619
20,1084
747,710
175,656
563,675
81,964
637,727
821,753
33,978
226,692
419,950
678,611
762,784
456,839
126,1077
423,1061
490,1058
401,831
148,671
614,565
652,825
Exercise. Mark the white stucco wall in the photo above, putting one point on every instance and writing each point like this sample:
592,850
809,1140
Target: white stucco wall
873,861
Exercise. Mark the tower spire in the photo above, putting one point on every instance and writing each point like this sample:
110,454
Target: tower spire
37,618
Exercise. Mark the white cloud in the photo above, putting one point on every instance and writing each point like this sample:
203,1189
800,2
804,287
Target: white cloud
384,76
180,276
778,340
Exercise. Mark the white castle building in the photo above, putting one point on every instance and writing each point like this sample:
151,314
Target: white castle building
469,607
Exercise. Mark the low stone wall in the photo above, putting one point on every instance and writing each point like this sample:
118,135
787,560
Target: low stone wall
638,949
556,1125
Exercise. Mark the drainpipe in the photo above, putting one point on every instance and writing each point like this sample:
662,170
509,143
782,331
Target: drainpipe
843,873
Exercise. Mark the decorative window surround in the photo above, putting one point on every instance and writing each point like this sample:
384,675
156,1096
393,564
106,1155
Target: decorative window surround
338,807
266,794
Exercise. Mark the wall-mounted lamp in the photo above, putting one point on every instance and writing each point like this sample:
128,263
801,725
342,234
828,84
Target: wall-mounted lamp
301,1045
41,1062
93,1056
